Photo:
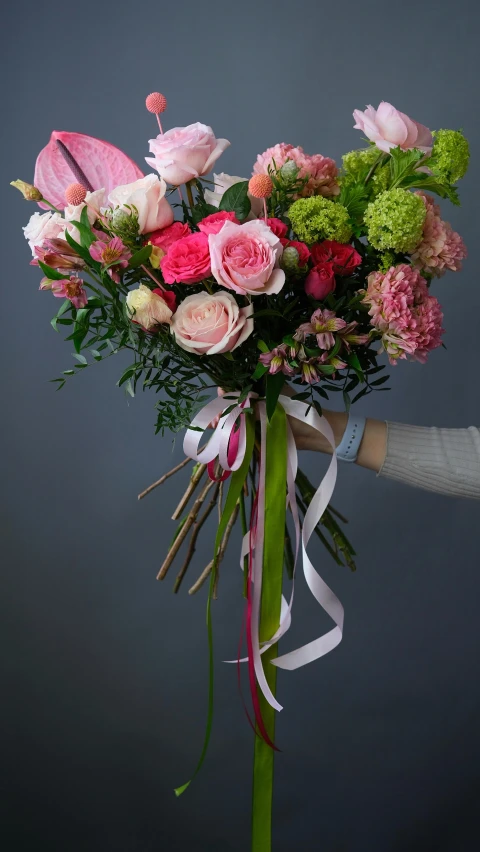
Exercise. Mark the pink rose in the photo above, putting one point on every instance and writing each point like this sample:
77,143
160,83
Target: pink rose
344,257
320,281
302,250
187,260
41,227
214,223
390,128
164,237
278,227
245,258
210,325
183,153
148,196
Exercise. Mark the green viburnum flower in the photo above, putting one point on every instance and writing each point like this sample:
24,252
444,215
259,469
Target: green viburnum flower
450,155
317,218
395,220
387,260
356,164
380,180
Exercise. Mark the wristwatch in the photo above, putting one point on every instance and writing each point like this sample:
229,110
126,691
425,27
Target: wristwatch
349,446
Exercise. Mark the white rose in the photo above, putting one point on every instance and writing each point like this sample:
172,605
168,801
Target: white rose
43,226
147,308
148,195
224,182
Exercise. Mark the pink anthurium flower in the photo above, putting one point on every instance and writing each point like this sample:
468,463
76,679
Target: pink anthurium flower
104,165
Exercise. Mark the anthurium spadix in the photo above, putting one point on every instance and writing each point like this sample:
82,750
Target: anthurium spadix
104,165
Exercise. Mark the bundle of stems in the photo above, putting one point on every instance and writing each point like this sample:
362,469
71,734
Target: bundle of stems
209,494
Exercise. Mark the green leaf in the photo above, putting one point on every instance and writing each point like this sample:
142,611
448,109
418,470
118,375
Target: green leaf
403,163
267,312
275,383
422,181
361,393
346,401
262,346
96,354
378,382
82,316
86,236
260,371
81,359
52,274
83,252
355,199
236,199
127,374
140,257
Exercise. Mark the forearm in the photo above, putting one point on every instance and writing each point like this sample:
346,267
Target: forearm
372,450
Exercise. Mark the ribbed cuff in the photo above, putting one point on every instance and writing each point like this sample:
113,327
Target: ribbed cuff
443,460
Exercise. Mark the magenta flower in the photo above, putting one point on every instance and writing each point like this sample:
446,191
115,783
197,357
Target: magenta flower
70,288
322,324
112,254
276,361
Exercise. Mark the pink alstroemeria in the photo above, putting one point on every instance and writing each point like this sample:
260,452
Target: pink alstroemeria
322,324
59,255
309,371
276,361
351,338
112,254
70,288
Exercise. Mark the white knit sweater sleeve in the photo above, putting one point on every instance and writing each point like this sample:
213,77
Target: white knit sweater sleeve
442,460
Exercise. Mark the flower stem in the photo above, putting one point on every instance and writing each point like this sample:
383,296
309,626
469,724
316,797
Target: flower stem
190,195
163,478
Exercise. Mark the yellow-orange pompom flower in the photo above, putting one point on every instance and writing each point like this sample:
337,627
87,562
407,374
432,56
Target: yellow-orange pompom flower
260,186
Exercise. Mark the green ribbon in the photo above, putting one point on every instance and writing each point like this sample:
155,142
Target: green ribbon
272,575
237,481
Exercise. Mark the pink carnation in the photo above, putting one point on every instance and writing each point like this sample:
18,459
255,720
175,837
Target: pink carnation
214,223
441,247
187,260
402,310
322,171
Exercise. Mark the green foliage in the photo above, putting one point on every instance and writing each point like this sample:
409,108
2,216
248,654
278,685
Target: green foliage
236,200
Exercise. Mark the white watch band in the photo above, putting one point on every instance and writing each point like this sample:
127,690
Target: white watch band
349,446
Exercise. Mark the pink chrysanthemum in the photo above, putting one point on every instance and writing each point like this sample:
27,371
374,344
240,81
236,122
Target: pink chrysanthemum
112,254
402,310
441,247
322,171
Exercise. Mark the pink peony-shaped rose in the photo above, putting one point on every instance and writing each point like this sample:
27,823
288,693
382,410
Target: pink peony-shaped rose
164,237
41,227
245,258
214,223
402,310
441,247
210,325
183,153
321,171
148,196
320,281
344,257
187,260
389,128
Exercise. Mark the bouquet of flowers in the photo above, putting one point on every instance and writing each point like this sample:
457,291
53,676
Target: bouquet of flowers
223,291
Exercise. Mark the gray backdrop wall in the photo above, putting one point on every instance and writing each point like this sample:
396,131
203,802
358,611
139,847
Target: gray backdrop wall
104,671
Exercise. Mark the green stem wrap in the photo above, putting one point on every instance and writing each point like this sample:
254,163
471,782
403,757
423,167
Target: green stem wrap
273,554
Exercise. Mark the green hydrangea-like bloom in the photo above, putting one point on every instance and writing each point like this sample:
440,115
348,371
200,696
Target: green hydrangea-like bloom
387,260
380,180
356,164
450,155
317,218
395,220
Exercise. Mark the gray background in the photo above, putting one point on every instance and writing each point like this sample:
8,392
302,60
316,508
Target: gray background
104,671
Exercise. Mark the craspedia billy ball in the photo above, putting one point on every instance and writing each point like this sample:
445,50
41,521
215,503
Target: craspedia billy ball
260,186
75,194
155,102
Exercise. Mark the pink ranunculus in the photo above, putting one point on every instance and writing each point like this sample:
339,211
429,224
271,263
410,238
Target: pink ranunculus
320,281
214,223
70,288
183,153
344,257
278,227
147,195
164,237
301,248
41,227
245,258
441,247
321,171
211,324
389,128
187,260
